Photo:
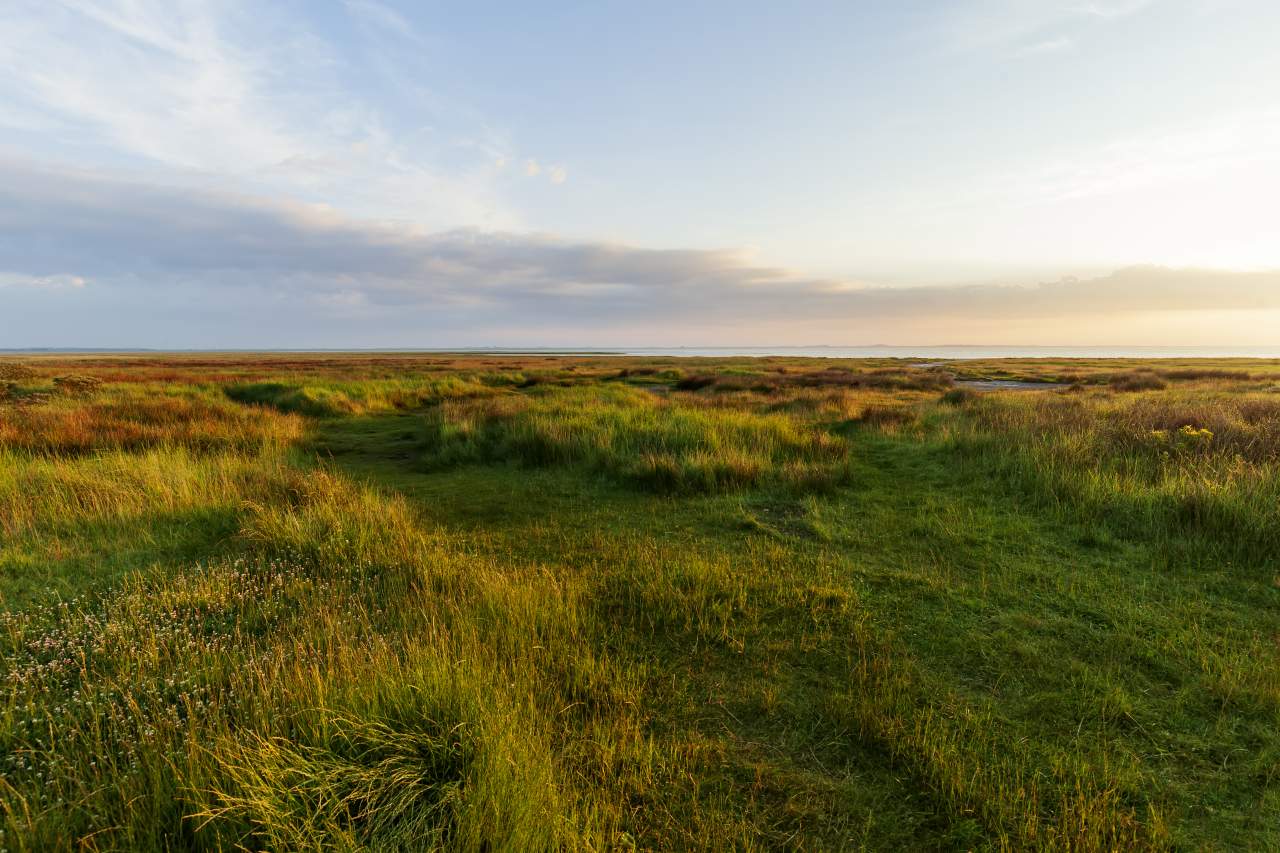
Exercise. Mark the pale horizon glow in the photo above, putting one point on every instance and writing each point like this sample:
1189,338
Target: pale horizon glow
373,173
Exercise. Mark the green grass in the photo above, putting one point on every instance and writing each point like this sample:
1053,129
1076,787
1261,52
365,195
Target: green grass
367,396
635,436
468,615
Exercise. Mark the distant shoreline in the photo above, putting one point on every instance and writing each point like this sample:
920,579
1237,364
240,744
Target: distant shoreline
948,352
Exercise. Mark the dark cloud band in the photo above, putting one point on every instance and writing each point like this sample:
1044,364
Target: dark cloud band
59,225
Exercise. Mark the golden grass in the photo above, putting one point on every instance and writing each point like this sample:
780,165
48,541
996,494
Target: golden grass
637,436
861,614
137,419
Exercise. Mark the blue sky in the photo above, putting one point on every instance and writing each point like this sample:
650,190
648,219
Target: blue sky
379,173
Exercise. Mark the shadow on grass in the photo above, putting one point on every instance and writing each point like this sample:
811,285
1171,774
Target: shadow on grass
997,639
743,701
68,560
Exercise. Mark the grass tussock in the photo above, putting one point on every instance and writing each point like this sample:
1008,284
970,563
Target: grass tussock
958,397
637,438
222,705
77,386
1169,463
42,492
1211,374
1138,380
888,416
14,371
358,398
135,422
782,380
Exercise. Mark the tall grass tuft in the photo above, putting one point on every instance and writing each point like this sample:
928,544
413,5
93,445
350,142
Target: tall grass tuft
1163,464
636,437
138,419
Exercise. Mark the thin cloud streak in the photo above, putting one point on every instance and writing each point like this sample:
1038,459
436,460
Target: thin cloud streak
987,25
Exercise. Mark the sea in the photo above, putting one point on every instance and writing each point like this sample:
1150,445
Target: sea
939,352
928,352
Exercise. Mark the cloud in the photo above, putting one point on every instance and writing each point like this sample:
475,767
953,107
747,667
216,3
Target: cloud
162,82
385,18
1039,48
43,282
1110,9
1212,146
142,243
983,25
247,95
556,174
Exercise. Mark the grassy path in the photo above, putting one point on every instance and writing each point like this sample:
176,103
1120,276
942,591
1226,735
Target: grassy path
736,699
926,658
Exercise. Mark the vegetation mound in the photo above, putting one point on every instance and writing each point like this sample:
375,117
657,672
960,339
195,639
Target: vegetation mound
636,437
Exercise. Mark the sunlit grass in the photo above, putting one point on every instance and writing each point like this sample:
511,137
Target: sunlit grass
132,418
536,605
637,437
1164,463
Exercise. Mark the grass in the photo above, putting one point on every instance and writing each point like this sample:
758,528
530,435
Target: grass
634,436
137,419
1154,466
476,603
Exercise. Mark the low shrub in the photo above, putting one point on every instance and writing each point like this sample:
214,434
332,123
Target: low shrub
1202,373
696,382
1138,380
77,386
958,397
15,371
883,415
885,378
32,398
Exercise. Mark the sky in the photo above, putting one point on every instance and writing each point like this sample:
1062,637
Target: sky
392,173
